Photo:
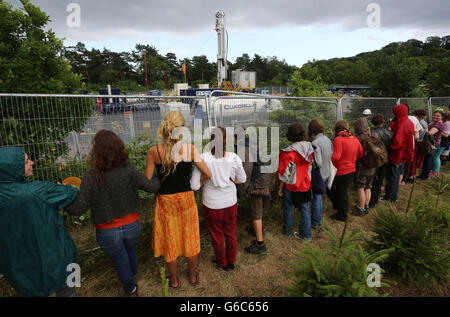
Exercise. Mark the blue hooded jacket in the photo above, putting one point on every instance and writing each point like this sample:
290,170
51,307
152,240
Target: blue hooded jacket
35,248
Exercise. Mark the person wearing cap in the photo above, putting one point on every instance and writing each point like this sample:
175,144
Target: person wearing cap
35,248
367,113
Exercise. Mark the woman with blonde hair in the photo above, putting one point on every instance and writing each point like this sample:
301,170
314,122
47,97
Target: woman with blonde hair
176,224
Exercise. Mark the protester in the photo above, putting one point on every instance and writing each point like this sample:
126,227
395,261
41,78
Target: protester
110,191
220,205
295,181
418,129
364,174
441,144
435,129
346,150
257,190
444,139
383,134
176,224
35,248
367,113
323,150
400,151
417,163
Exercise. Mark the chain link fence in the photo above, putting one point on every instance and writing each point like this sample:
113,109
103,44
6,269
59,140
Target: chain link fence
439,103
353,107
57,130
415,103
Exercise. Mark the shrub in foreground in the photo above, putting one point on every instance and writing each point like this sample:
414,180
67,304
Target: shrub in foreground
338,269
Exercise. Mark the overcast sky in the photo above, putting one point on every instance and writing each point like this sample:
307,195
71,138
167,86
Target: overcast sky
296,31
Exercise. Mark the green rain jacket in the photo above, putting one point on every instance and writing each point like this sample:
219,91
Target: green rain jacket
35,248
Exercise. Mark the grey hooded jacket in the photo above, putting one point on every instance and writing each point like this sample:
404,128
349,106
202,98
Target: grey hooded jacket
323,150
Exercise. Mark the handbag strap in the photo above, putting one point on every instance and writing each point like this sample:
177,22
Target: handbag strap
164,178
314,161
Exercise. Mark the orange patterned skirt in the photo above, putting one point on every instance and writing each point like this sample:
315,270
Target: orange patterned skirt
176,228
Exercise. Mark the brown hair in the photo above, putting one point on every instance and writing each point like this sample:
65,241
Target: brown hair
219,131
108,153
341,125
295,132
420,113
378,119
314,128
446,116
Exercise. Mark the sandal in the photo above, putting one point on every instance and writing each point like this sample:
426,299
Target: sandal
170,284
196,279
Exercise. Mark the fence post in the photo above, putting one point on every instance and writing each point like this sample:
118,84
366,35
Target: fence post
221,115
339,112
430,109
131,119
76,143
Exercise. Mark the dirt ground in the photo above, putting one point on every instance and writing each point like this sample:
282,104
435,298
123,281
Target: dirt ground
266,275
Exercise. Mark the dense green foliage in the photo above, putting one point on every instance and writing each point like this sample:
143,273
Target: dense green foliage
29,54
30,63
337,269
305,83
419,238
404,69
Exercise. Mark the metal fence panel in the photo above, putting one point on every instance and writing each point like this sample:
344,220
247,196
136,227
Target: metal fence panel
415,103
273,111
57,130
353,107
441,103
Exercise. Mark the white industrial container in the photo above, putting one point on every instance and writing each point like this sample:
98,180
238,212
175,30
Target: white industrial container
245,79
180,86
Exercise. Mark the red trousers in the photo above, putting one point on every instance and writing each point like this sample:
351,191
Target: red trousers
418,161
221,225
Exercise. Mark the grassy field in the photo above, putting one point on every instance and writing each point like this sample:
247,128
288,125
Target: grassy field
255,275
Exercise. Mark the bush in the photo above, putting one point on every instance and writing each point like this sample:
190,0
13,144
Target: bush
339,269
420,251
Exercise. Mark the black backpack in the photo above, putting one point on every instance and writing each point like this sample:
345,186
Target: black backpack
428,144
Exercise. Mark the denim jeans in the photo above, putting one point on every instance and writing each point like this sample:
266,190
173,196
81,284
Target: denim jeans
316,208
304,228
392,181
120,245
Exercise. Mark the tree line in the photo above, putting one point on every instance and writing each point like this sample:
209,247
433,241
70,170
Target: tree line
33,60
408,69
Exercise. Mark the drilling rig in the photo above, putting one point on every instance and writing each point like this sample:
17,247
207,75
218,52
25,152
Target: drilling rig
222,46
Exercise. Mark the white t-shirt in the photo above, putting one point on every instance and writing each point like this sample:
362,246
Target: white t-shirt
220,191
415,121
417,127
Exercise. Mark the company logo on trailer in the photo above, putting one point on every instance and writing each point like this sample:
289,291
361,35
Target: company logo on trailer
231,107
